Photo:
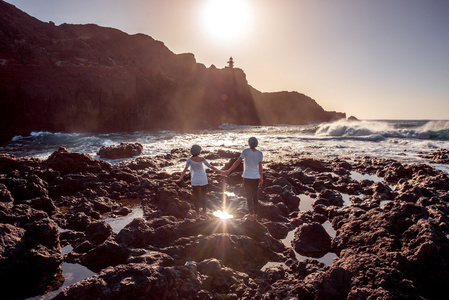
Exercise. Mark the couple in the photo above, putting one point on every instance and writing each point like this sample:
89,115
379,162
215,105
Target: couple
252,176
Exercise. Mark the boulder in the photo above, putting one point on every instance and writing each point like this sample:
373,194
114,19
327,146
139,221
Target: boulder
131,281
5,194
239,252
30,252
312,240
67,162
123,150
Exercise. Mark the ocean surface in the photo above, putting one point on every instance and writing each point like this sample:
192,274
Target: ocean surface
402,140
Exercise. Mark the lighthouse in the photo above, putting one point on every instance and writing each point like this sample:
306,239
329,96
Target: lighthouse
231,63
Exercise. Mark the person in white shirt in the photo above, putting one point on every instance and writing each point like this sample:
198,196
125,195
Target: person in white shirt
198,178
252,174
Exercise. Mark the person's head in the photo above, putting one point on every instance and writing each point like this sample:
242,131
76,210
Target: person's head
252,142
195,150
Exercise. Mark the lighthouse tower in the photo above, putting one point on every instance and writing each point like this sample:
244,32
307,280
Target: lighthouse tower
231,63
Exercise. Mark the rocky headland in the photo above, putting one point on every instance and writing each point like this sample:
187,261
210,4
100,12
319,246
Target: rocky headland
390,243
87,78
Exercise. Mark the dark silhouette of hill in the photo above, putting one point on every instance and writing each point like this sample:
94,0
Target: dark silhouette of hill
87,78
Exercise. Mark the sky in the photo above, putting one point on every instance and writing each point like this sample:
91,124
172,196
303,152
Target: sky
378,59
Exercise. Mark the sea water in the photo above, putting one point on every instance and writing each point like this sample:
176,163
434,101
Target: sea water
403,140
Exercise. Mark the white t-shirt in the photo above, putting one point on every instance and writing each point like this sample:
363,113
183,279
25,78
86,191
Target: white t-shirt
198,172
251,160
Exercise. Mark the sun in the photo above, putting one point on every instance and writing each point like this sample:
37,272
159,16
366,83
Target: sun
226,20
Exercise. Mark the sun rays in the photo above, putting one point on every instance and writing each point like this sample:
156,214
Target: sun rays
226,20
222,215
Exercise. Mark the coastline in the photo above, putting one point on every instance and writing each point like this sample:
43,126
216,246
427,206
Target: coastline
171,254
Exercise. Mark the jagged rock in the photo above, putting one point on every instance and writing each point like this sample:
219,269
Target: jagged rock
312,240
67,162
42,203
395,251
236,251
29,250
352,118
130,281
5,195
124,150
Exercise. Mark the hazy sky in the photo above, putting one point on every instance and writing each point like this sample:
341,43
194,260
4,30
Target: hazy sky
374,59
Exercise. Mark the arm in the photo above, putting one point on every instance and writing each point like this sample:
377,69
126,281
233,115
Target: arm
182,175
216,170
234,165
260,166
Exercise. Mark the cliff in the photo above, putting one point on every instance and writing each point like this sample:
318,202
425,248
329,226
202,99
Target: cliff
87,78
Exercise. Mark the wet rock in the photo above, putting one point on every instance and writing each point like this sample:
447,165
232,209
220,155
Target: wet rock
307,217
42,203
277,230
170,204
397,250
32,189
209,266
77,221
102,256
98,232
124,211
440,156
236,251
329,197
29,251
67,162
151,257
311,240
132,281
104,204
271,212
313,164
137,234
5,195
124,150
144,163
381,191
9,163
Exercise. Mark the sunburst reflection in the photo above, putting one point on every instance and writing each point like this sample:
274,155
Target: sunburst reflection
222,215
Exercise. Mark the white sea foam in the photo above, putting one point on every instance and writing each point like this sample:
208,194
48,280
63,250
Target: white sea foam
401,140
435,125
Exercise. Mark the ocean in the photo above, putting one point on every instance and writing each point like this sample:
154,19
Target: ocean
402,140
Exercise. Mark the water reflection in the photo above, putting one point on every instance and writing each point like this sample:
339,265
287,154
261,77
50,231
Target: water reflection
359,176
118,223
306,203
72,273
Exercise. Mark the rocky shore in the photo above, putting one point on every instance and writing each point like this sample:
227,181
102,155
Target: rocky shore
391,242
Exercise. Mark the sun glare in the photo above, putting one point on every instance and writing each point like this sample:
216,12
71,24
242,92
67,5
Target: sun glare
226,20
222,215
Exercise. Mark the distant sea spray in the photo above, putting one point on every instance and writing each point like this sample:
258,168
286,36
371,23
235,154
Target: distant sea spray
379,130
402,140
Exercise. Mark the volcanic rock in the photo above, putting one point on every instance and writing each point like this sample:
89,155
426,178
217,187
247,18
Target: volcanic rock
312,240
124,150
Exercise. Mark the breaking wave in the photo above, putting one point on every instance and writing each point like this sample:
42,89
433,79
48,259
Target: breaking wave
379,130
